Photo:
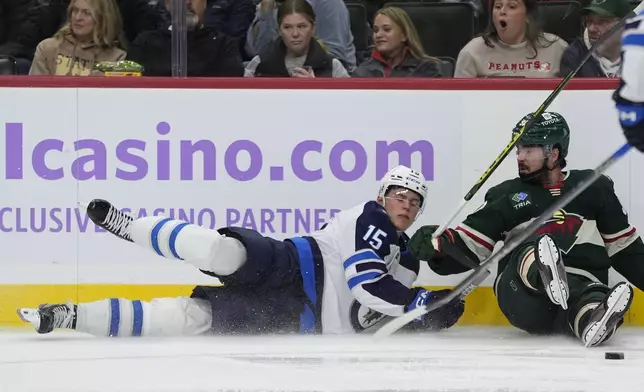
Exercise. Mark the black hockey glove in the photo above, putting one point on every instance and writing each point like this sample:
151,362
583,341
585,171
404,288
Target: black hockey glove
424,247
631,118
442,318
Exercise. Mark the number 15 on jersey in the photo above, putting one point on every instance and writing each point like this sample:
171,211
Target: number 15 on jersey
374,237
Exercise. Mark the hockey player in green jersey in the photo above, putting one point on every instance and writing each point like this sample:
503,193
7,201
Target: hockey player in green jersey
557,280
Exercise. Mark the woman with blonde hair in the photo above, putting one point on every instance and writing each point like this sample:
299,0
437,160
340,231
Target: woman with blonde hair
398,50
90,36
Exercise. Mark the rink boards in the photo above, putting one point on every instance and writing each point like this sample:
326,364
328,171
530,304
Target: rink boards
280,157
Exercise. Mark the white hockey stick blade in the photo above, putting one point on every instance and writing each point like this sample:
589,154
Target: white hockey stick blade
639,8
442,228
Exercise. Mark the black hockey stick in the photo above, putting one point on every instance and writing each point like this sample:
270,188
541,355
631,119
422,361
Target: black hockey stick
470,282
515,139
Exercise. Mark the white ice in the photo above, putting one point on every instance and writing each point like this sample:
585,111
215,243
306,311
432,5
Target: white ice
460,359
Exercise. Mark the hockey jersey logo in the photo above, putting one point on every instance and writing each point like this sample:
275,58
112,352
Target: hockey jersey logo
520,200
563,228
362,317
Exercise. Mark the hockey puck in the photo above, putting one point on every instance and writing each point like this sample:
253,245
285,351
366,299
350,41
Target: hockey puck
614,356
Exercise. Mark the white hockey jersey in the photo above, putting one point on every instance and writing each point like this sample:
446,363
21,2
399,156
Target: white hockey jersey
633,59
366,267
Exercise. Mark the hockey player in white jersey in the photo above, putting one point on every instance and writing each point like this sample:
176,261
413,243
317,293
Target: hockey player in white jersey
340,279
629,97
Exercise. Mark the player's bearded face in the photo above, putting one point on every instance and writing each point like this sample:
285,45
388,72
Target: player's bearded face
403,206
530,159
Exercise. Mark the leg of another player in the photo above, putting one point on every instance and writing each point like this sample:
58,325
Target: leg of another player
120,317
203,248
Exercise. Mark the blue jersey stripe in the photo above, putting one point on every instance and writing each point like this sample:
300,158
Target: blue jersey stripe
357,280
358,257
115,320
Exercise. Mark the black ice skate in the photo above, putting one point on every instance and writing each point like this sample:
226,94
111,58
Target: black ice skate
108,217
49,317
608,315
552,271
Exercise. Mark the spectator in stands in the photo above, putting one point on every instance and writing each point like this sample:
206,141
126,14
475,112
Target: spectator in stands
90,36
209,53
398,51
138,16
298,53
46,17
512,46
18,38
599,17
333,29
231,17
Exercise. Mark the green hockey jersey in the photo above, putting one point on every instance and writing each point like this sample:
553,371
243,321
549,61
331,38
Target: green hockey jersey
592,231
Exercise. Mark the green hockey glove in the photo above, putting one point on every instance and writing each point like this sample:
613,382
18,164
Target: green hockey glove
424,247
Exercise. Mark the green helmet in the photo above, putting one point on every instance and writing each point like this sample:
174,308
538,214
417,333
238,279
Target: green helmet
550,130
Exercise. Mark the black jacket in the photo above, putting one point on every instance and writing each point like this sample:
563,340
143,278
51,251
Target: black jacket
18,34
138,16
231,17
572,57
208,54
272,61
25,23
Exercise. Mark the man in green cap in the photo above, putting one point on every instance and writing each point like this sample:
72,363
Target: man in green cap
557,280
599,17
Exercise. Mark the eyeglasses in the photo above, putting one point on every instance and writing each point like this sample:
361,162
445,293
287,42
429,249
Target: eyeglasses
415,203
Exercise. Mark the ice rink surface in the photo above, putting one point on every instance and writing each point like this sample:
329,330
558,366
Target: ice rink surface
458,360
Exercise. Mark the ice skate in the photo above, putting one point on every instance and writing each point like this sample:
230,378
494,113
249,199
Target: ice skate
49,317
552,271
108,217
608,315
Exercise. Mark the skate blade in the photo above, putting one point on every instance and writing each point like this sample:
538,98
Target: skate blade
548,255
29,316
620,299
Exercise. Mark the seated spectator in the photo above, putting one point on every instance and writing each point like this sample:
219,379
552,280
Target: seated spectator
398,51
90,37
599,17
137,16
231,17
17,35
209,53
297,53
333,29
512,46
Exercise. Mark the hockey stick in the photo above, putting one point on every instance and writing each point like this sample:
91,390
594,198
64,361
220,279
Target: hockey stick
461,296
469,283
515,139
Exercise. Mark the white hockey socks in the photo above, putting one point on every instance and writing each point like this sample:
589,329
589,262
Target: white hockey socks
526,271
120,317
203,248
